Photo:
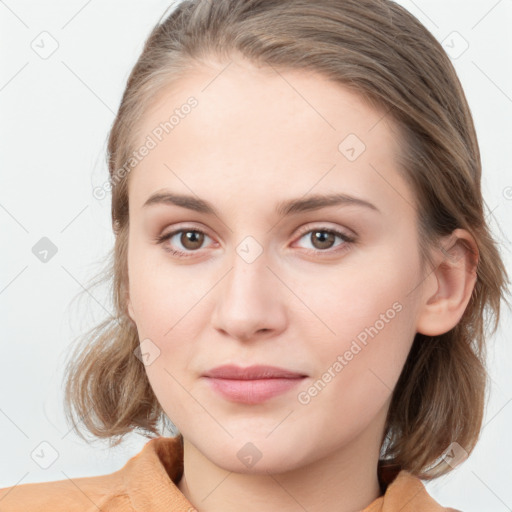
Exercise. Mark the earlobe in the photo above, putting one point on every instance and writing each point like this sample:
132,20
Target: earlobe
455,274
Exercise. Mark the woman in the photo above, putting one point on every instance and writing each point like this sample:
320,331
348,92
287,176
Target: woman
301,270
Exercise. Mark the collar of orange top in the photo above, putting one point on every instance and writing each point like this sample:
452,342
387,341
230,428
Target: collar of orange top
152,476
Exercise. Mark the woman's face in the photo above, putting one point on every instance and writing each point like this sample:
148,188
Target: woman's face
274,271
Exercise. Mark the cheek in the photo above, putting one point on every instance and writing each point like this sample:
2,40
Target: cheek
161,294
169,319
372,291
169,307
368,325
374,332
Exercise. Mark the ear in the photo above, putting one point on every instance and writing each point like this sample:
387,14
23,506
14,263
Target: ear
450,284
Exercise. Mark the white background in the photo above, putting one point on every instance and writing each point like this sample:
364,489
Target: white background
55,117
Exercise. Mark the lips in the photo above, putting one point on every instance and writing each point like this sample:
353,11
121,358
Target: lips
252,372
252,385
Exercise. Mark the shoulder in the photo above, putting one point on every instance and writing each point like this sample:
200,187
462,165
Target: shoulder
73,494
146,482
407,493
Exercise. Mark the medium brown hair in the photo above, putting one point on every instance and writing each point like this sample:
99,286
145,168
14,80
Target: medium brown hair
380,51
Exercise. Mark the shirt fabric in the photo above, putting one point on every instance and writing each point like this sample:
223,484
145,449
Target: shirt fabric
148,483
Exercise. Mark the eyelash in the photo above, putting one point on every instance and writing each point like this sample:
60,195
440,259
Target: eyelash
348,240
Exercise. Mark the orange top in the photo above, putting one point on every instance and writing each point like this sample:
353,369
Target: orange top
148,483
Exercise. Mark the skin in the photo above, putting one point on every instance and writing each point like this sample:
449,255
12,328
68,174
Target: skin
256,138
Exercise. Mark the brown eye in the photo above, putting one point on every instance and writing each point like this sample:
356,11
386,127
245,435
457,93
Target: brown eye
191,240
182,242
322,239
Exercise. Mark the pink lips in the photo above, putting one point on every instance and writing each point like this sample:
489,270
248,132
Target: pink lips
252,385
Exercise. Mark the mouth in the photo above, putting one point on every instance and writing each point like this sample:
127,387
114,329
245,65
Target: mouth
252,385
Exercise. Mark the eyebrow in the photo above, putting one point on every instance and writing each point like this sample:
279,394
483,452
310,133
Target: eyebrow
284,208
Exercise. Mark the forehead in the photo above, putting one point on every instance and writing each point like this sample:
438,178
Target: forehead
260,130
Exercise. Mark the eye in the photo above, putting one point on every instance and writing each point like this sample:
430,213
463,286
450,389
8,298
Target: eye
190,239
322,239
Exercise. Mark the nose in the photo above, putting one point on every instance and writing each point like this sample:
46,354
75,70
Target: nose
250,301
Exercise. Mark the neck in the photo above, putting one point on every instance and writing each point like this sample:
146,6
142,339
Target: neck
344,481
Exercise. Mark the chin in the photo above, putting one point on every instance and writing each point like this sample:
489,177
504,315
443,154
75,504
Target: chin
257,454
